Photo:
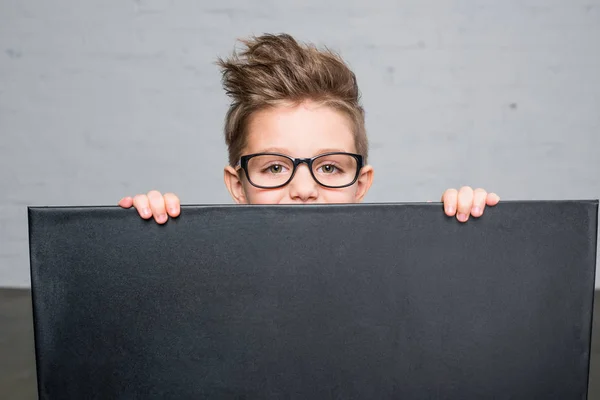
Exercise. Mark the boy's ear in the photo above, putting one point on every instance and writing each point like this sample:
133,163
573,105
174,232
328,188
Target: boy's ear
365,179
234,185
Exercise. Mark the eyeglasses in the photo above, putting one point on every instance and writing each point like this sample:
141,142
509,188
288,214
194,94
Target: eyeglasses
273,170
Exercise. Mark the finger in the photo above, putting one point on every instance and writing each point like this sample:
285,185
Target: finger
157,205
492,199
465,203
479,199
142,205
172,204
450,200
126,202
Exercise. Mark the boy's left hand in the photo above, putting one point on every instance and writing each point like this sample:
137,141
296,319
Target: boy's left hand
466,202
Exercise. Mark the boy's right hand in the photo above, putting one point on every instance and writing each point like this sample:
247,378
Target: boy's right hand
154,204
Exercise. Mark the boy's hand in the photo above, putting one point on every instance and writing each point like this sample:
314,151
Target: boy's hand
154,204
466,202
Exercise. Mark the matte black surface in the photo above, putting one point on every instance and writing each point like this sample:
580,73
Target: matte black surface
17,364
370,301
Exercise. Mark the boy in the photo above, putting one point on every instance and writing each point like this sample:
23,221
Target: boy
295,133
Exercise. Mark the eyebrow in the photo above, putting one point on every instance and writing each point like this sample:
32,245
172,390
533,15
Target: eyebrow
285,151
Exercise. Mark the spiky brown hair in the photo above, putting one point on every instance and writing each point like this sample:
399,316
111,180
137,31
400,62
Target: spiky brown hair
275,69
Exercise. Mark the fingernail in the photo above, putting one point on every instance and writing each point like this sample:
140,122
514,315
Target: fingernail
450,210
162,217
462,217
172,210
476,211
146,212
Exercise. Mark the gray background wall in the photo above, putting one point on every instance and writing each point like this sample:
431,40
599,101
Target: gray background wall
99,99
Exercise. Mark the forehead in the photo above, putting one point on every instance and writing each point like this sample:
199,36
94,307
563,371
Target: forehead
300,131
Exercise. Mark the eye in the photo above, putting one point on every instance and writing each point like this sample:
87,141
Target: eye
328,168
275,168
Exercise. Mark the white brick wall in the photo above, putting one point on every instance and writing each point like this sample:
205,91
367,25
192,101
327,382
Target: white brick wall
99,99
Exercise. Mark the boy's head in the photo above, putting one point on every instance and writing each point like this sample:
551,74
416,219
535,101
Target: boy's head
293,101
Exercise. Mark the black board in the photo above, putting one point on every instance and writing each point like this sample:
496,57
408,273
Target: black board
366,301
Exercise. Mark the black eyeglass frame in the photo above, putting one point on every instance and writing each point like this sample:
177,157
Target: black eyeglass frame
243,163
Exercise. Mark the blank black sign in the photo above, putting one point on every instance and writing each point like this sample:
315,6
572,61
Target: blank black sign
371,301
